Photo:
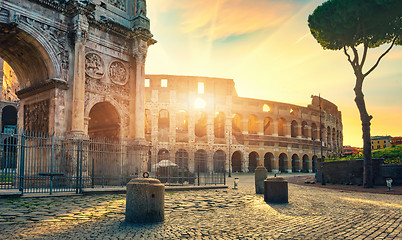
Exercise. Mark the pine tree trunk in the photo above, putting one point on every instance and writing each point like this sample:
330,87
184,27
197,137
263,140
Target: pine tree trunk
365,119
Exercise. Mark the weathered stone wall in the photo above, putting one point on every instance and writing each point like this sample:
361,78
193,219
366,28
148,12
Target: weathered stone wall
351,172
293,150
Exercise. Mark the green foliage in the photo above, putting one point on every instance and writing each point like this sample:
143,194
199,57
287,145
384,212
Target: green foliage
345,23
391,155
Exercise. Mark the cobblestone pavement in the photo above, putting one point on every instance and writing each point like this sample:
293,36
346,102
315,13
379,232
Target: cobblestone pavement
312,213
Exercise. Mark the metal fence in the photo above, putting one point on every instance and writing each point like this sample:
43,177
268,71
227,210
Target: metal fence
42,163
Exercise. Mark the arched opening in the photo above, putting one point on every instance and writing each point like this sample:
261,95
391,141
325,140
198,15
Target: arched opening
163,125
10,84
201,124
148,123
9,119
268,161
219,161
304,129
314,131
252,161
283,159
268,126
305,163
163,155
219,125
252,124
104,121
9,156
334,145
200,161
236,161
236,124
314,163
182,122
281,127
328,137
181,159
295,163
294,129
27,57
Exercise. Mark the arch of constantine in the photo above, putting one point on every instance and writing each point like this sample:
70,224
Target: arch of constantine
80,68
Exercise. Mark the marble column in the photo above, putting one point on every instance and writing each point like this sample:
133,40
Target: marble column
77,120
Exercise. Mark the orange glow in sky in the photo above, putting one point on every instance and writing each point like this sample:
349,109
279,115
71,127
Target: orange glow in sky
267,48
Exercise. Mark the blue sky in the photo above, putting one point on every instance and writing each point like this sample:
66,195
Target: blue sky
267,48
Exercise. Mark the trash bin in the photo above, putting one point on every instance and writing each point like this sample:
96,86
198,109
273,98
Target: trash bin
145,200
276,190
259,177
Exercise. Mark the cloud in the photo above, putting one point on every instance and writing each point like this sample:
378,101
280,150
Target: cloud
219,19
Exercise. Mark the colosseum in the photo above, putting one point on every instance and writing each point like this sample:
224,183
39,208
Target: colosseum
202,124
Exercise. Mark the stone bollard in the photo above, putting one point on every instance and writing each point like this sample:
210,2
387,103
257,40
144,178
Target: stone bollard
260,175
145,200
276,190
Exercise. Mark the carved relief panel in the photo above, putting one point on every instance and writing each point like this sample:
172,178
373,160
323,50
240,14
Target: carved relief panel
118,73
94,66
36,116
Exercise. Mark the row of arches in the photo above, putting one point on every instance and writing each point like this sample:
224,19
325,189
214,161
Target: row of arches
303,129
219,161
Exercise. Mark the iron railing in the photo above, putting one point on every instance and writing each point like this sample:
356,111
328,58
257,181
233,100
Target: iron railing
43,163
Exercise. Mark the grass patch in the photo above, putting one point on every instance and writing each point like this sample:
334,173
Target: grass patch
391,155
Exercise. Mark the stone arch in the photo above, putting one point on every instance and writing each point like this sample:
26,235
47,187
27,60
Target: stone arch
305,163
104,121
328,137
9,116
314,163
201,124
148,121
334,145
268,126
281,127
182,121
304,129
181,158
219,161
163,154
294,129
295,163
25,47
237,161
283,160
253,124
253,158
219,125
200,161
314,131
268,161
9,155
99,99
237,124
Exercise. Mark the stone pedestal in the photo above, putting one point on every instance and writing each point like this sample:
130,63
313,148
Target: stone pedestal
261,174
276,190
145,201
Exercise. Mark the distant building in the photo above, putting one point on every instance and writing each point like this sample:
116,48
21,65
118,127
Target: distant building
348,150
396,141
379,142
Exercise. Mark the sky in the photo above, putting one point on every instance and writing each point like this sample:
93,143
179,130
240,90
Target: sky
266,47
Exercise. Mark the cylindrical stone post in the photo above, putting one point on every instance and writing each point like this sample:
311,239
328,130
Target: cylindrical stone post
276,190
145,201
261,174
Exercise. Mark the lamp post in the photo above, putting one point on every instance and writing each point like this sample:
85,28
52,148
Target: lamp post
322,160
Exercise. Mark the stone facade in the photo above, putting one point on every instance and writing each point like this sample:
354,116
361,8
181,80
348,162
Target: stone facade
71,56
283,137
